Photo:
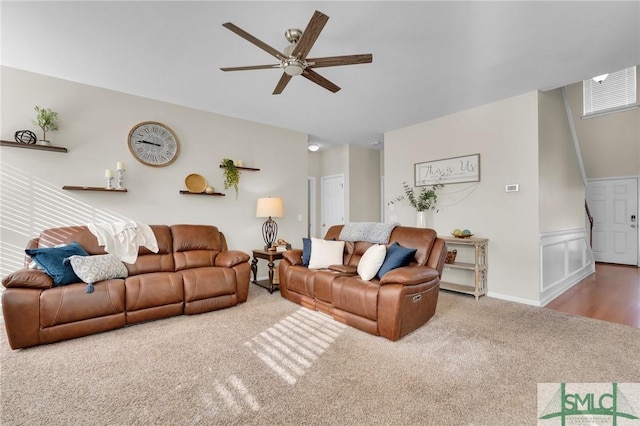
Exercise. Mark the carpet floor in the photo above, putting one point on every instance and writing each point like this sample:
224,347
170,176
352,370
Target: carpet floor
270,361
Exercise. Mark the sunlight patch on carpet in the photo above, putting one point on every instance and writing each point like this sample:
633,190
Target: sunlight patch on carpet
290,347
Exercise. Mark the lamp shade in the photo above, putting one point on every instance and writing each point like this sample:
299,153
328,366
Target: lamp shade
270,207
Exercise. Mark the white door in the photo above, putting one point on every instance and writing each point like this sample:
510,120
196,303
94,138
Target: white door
332,194
614,206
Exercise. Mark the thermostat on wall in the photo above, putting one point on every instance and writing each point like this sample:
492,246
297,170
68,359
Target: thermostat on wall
514,187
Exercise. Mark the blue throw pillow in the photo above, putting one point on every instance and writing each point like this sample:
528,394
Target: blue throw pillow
396,257
306,251
51,259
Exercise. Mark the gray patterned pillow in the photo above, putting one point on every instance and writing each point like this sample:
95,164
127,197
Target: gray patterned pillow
92,269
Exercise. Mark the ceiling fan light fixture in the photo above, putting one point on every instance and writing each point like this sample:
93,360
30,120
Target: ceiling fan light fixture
293,66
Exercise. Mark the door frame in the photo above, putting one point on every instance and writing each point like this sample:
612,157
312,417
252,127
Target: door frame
322,196
637,178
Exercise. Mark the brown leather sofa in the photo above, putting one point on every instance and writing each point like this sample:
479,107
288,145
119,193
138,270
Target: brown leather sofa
399,302
192,272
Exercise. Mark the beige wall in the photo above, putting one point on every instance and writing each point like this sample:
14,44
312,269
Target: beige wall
610,144
505,134
364,183
562,191
94,124
361,170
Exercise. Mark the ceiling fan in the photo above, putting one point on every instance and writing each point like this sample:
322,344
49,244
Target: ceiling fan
293,60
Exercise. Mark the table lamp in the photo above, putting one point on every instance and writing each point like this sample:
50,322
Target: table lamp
269,207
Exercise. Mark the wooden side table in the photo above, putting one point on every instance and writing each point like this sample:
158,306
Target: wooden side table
266,255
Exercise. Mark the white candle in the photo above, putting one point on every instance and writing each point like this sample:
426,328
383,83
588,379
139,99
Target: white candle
240,163
120,165
108,173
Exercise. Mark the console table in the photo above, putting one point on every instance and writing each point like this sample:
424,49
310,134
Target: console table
473,263
271,256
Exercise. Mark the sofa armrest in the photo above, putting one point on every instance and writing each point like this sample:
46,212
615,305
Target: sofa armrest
28,278
294,256
231,258
410,275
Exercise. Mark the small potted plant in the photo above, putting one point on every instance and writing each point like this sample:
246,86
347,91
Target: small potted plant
422,202
231,175
47,120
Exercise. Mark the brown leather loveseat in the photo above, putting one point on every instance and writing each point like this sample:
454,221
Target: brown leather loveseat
391,306
192,272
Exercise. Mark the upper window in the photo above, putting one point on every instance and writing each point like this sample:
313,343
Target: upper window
610,92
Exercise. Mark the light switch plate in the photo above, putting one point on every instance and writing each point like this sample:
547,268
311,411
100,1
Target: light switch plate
512,187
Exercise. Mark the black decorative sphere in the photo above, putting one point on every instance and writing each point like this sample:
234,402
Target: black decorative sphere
25,136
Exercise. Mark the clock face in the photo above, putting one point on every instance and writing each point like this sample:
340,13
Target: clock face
153,144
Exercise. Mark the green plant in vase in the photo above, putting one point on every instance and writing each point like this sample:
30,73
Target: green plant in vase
425,200
231,175
47,120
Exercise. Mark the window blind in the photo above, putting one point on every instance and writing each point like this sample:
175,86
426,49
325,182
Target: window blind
618,90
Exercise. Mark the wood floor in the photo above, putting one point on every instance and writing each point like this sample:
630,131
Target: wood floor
611,294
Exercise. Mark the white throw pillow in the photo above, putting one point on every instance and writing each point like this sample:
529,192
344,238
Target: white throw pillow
371,261
92,269
325,253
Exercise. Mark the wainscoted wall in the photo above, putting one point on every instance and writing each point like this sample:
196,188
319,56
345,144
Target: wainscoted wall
566,259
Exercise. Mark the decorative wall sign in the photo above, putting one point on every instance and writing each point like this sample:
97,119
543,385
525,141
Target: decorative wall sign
448,170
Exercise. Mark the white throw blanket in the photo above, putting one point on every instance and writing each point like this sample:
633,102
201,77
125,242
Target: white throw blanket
124,238
372,232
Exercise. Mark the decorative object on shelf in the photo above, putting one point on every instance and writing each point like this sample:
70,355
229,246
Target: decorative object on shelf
451,256
108,173
238,163
231,174
462,234
195,183
209,190
269,207
423,202
153,144
282,245
25,136
120,169
47,120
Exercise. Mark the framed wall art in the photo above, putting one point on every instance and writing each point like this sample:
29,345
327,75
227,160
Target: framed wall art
449,170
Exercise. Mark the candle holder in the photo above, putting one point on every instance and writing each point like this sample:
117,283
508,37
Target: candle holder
121,178
109,183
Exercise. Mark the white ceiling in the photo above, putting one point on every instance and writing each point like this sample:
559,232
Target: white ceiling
429,58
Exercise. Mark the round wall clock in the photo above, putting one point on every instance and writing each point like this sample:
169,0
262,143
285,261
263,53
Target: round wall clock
153,144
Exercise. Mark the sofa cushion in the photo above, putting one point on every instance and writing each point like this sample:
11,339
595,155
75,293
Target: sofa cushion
51,260
396,257
371,261
325,253
92,269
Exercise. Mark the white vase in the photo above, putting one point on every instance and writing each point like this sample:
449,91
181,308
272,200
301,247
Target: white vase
424,219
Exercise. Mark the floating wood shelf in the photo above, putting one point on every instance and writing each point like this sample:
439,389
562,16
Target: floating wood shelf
215,194
33,146
242,168
92,188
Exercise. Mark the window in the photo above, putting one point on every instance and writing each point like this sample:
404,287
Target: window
616,92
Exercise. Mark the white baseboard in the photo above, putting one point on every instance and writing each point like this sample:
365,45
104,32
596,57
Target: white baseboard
513,299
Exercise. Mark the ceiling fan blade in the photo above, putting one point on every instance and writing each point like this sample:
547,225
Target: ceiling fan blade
334,61
251,39
310,35
251,67
284,80
310,74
